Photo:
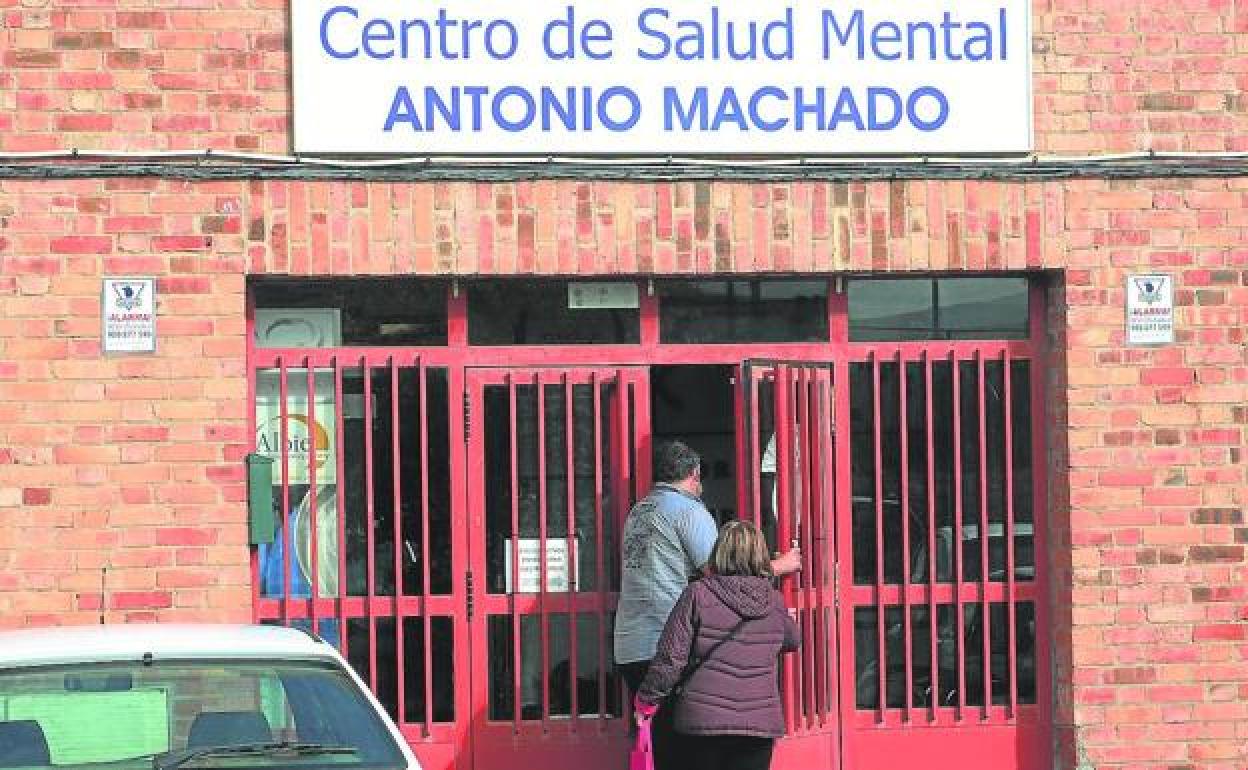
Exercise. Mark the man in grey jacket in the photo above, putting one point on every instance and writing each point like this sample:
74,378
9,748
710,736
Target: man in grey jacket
667,540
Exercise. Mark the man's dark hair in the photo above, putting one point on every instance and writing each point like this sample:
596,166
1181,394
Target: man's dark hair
674,461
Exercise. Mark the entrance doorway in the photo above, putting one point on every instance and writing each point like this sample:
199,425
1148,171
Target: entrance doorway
453,505
695,404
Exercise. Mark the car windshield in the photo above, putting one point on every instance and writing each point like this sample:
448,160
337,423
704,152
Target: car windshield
282,714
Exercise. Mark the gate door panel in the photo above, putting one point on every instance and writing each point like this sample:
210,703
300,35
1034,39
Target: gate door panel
363,551
787,443
940,649
553,467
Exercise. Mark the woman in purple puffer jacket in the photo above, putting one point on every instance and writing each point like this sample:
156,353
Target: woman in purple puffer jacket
722,645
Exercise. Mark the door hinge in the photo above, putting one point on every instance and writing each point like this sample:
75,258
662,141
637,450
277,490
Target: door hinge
467,417
470,599
836,585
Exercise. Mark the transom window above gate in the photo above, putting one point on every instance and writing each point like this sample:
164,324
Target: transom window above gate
553,312
743,311
304,313
900,309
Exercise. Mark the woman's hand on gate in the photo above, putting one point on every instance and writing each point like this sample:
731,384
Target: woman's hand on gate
787,563
642,711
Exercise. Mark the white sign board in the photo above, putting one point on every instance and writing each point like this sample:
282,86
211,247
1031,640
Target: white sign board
558,571
1150,310
128,315
661,76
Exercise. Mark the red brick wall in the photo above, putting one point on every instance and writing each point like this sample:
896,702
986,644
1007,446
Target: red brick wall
133,462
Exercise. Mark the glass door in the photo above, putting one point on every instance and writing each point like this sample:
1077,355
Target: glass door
556,458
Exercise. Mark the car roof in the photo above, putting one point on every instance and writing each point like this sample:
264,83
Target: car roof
132,642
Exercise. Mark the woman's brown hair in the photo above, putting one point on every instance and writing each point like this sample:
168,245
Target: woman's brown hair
740,550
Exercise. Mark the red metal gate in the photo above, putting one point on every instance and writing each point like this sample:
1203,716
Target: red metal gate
454,529
367,554
786,442
556,459
939,527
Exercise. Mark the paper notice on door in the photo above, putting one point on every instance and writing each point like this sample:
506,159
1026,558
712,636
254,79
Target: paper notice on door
559,574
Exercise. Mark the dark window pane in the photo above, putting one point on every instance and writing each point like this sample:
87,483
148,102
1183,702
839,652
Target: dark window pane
982,308
1025,639
365,312
1024,526
538,313
866,658
862,471
947,655
891,310
502,668
442,670
901,309
968,399
921,655
743,311
973,653
921,537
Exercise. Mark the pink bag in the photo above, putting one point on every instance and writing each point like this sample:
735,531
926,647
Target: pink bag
642,755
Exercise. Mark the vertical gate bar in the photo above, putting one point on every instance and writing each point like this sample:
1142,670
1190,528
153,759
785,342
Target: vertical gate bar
810,570
958,550
624,461
801,580
396,465
877,429
283,413
985,619
844,601
253,388
828,556
809,543
422,373
340,495
933,630
784,504
641,420
755,457
515,549
570,553
315,576
818,555
542,612
600,574
740,442
814,561
370,508
907,650
1012,652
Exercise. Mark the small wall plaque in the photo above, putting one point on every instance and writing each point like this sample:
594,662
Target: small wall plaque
128,315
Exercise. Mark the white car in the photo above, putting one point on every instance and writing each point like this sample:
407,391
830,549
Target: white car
161,697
